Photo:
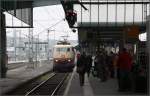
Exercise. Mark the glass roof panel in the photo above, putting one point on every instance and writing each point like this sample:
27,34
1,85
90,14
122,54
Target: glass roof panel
116,12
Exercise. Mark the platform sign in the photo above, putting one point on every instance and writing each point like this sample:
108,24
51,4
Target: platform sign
132,31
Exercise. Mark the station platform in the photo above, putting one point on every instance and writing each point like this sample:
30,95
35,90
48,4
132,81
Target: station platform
18,76
94,87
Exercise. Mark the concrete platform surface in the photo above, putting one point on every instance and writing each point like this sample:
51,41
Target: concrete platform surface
21,75
94,87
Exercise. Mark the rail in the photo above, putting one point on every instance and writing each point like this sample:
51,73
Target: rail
49,86
53,74
59,85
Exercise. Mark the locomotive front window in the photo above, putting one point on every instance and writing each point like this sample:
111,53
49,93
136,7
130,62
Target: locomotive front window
68,49
63,49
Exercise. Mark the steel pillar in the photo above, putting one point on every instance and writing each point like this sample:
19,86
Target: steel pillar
148,48
121,43
3,56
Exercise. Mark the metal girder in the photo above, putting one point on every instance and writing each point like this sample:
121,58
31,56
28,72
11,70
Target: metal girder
142,28
36,42
112,2
9,4
19,27
111,27
108,35
39,3
15,4
18,8
21,9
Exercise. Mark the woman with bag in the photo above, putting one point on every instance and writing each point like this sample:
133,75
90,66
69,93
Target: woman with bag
81,65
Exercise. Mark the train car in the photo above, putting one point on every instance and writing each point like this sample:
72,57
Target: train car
63,58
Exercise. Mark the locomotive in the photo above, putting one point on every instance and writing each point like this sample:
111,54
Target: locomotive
63,57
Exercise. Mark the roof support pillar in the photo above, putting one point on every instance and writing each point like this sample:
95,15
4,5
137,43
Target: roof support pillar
3,56
148,46
122,41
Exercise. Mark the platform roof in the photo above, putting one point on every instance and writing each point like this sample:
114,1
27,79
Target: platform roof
23,9
103,26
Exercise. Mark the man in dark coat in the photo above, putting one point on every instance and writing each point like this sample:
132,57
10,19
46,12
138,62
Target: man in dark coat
81,67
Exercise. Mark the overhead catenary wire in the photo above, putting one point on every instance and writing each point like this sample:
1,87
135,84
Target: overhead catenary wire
57,12
50,26
40,24
48,18
48,13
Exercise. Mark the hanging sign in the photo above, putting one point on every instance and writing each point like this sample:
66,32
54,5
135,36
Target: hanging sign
132,31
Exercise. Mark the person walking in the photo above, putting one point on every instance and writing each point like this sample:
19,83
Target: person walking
124,69
81,67
96,61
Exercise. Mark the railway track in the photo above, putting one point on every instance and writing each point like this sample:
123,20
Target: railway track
47,84
50,86
16,65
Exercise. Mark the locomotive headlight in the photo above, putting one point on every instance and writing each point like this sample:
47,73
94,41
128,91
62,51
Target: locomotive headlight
56,60
69,60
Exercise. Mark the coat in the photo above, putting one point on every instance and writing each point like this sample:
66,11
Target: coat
124,61
81,62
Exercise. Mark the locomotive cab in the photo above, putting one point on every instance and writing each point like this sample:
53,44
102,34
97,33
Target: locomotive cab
63,58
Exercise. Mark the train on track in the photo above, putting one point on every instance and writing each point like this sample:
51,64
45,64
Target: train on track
63,57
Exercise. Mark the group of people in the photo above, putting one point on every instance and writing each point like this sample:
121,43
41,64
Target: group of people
107,66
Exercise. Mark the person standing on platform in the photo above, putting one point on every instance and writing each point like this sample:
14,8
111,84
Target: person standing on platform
89,64
81,67
124,66
101,66
78,54
111,65
96,63
115,60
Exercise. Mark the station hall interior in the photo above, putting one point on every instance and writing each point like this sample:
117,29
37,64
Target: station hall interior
31,31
